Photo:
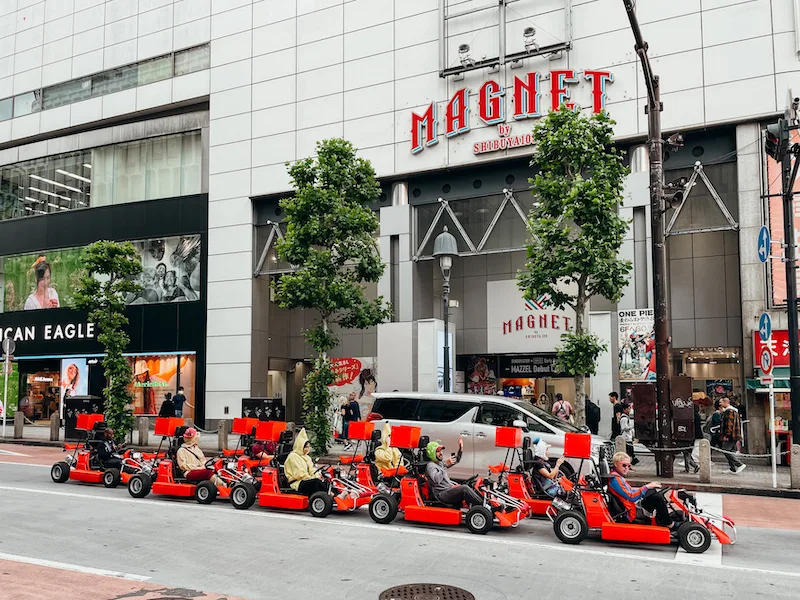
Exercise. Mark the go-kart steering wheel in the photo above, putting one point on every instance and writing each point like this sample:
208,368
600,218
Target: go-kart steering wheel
471,481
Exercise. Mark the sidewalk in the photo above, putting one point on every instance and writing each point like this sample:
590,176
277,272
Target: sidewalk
756,479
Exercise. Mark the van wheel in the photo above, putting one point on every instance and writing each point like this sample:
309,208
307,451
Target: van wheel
139,485
383,509
570,527
320,504
694,538
243,496
205,492
480,519
59,472
111,478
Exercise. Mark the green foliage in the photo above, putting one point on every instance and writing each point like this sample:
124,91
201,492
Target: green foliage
330,242
576,231
111,268
316,400
66,269
577,355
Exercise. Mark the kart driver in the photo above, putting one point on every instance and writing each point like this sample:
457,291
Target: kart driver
108,451
646,496
546,477
387,459
192,461
442,488
300,469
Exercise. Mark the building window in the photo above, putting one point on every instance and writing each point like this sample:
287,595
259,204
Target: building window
191,60
107,82
160,167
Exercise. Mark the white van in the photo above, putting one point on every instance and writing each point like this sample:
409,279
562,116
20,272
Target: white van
475,418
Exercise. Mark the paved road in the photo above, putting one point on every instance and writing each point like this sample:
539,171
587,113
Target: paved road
77,535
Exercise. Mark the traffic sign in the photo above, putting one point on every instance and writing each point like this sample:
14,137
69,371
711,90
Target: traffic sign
9,346
764,243
765,327
766,379
766,361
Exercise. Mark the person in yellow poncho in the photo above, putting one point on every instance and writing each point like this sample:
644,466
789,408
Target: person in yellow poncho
389,460
300,469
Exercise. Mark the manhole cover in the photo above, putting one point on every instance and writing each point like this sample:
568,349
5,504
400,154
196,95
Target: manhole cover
425,591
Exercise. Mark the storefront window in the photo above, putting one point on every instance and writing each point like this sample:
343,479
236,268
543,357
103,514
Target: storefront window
155,376
715,372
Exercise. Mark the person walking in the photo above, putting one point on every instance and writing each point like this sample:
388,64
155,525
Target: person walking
562,409
178,400
613,397
592,415
627,428
713,424
167,406
730,434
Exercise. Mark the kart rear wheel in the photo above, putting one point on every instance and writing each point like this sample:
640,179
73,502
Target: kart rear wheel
383,509
570,527
694,538
205,492
111,478
243,495
480,520
320,504
139,485
59,472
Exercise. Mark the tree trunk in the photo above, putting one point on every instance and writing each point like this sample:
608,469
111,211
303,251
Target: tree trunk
580,378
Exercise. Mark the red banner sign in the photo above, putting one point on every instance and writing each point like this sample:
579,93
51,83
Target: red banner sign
346,370
778,344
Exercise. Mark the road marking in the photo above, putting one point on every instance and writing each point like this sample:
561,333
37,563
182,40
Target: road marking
713,556
70,567
462,536
8,462
10,453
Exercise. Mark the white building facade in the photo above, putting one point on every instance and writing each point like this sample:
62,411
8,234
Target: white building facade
440,95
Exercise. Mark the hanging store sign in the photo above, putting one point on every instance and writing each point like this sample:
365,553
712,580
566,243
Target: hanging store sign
526,104
777,344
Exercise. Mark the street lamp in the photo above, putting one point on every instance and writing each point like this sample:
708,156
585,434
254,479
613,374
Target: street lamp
445,248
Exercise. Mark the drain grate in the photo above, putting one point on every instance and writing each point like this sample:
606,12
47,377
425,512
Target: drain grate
425,591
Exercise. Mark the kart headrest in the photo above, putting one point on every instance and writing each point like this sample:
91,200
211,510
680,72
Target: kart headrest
286,436
100,426
376,436
603,471
424,440
526,443
179,431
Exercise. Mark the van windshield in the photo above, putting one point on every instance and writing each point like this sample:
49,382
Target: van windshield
551,420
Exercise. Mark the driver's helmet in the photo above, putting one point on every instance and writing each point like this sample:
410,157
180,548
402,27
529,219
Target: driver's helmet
540,448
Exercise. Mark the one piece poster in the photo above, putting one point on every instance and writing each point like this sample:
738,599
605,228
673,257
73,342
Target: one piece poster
481,375
637,345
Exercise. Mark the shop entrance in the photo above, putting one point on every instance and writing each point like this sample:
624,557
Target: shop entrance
39,388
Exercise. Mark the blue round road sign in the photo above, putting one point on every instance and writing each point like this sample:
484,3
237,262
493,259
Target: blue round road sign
765,327
764,243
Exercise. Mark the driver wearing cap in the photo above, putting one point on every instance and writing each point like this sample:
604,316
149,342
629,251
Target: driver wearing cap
442,488
192,461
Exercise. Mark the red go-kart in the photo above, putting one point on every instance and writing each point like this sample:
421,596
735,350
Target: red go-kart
417,504
273,491
519,482
84,463
590,507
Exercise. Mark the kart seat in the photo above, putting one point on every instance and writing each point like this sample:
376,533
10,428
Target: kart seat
604,472
372,445
421,459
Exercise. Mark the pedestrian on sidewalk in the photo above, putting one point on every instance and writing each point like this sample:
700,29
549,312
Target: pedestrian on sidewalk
713,424
627,428
592,415
730,434
563,409
167,406
613,397
178,400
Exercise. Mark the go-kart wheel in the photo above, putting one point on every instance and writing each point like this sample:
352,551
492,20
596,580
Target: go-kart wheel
59,472
383,509
139,485
570,527
111,478
480,519
243,495
320,504
694,538
205,492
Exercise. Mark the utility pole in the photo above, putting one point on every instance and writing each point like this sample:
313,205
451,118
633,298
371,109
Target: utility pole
777,146
661,306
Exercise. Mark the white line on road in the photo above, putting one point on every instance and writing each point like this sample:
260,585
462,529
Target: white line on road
70,567
713,556
10,453
8,462
407,530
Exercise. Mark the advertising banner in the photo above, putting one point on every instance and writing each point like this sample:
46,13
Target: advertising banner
637,344
481,375
74,379
49,279
357,376
524,326
778,344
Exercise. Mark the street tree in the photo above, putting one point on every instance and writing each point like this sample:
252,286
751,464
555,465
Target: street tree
576,230
330,243
111,269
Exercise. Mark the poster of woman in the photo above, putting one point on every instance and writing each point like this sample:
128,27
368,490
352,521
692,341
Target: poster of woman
74,378
636,345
